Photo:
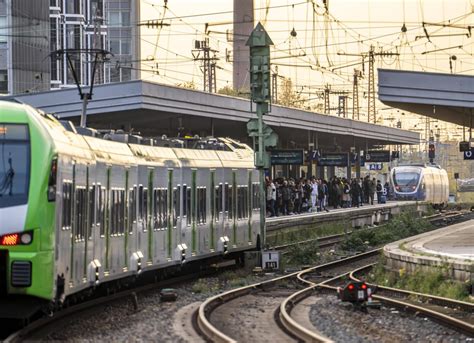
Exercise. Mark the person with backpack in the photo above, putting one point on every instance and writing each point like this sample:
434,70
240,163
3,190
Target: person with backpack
379,189
346,197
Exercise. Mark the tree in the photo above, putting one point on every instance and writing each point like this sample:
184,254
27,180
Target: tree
187,84
230,91
287,96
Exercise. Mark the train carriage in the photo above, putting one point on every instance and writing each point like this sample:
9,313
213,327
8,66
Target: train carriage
78,210
421,182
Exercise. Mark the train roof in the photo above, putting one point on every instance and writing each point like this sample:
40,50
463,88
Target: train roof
421,165
116,146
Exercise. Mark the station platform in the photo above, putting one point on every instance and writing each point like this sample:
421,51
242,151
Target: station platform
356,216
451,247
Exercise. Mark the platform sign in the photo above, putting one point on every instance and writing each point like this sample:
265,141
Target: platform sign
377,156
287,157
375,166
270,260
469,155
333,159
354,157
313,155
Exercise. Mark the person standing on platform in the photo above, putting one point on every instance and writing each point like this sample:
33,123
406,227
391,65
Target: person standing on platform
355,193
271,197
307,188
387,190
372,187
379,189
361,191
346,196
314,194
285,196
366,188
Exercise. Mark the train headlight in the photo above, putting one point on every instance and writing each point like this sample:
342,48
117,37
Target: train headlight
26,238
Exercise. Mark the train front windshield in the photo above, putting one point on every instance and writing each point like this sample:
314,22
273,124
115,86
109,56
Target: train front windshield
406,181
14,164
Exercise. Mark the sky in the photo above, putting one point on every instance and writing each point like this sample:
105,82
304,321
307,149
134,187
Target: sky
317,54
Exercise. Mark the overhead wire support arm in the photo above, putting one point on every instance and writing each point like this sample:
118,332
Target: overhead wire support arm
99,54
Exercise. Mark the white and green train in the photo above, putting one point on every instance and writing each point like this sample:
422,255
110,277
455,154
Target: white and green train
77,211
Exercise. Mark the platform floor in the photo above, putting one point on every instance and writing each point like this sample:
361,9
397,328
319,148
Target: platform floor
452,245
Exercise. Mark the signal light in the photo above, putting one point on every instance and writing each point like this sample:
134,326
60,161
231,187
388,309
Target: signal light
11,239
350,287
431,150
363,286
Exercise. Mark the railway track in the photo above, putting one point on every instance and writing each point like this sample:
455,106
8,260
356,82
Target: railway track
288,327
319,274
456,314
41,327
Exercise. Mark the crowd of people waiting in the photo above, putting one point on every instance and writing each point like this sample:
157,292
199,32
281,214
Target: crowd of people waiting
289,196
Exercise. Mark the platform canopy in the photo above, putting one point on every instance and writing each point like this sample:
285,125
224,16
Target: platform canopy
446,97
155,109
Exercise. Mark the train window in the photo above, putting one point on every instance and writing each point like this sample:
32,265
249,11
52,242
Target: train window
229,201
145,209
164,208
91,211
121,224
113,213
188,202
185,197
80,214
117,212
218,200
201,205
140,203
176,202
160,208
255,196
67,205
242,202
132,207
101,209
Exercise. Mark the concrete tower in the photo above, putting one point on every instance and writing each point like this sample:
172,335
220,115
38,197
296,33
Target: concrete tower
243,26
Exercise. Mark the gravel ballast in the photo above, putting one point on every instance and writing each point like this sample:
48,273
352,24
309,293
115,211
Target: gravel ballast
342,323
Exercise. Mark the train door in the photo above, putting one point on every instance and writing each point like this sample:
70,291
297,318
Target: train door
219,209
79,223
90,218
116,233
142,213
230,191
242,205
63,253
201,214
99,179
160,213
132,246
177,221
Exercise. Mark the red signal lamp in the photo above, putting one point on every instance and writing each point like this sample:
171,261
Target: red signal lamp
350,287
11,239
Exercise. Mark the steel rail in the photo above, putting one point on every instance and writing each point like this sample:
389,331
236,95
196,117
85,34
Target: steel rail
445,319
42,323
206,308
